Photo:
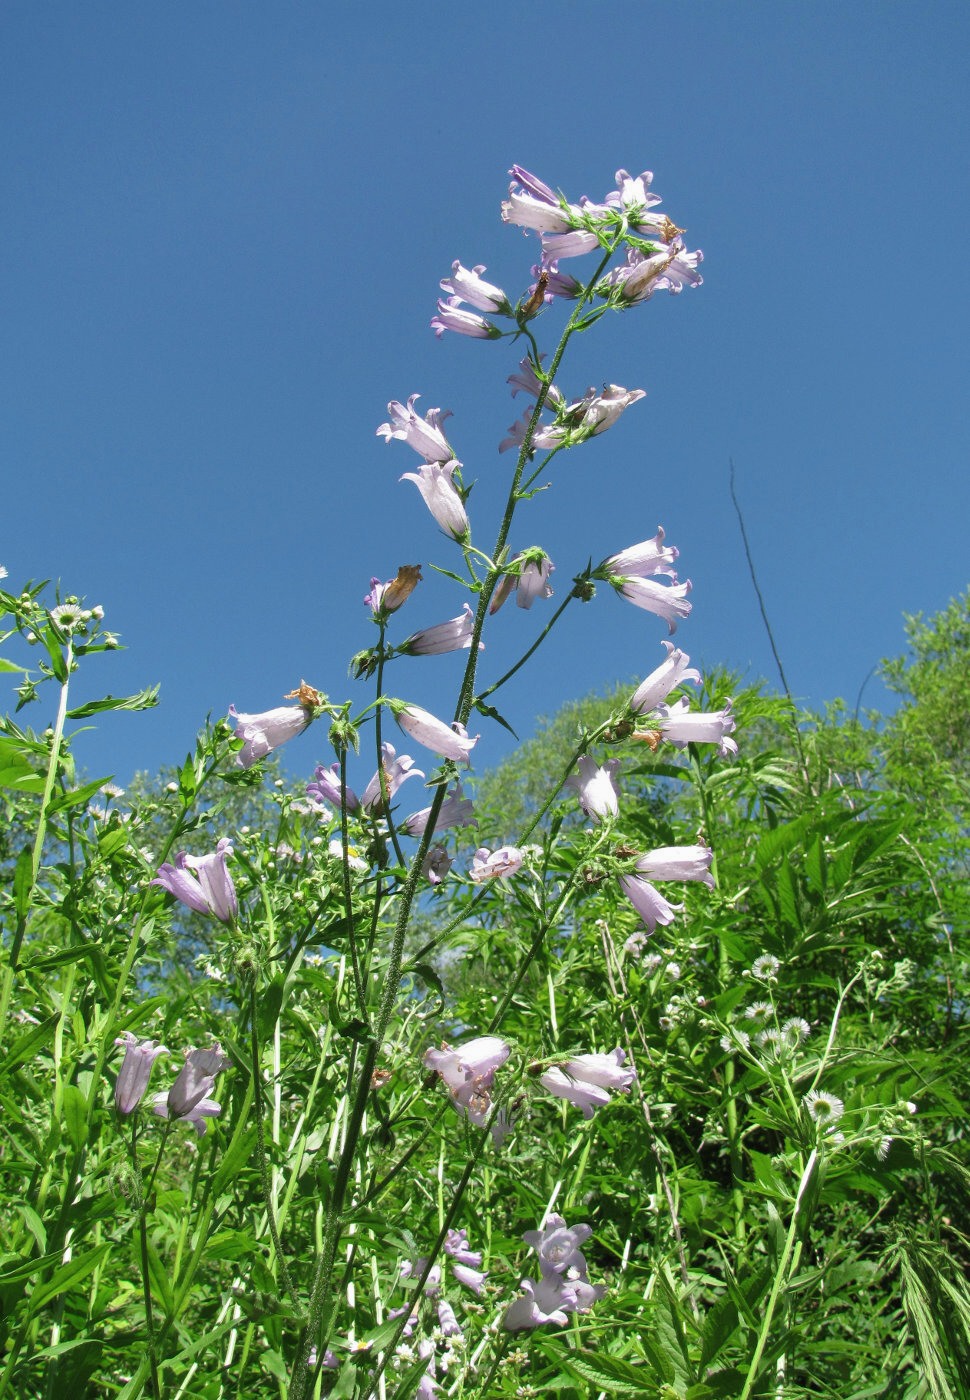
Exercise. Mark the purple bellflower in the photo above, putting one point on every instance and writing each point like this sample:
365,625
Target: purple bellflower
490,865
436,865
326,788
135,1071
680,726
386,598
396,771
440,495
453,635
527,380
599,795
424,435
533,205
683,863
452,316
668,675
264,732
188,1097
648,557
456,810
529,581
586,1079
210,889
469,286
447,740
563,1286
469,1072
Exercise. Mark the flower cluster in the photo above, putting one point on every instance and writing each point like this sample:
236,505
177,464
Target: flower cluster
563,1285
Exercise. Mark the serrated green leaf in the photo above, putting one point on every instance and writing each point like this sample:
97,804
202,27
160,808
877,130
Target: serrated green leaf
76,797
144,700
28,1045
611,1374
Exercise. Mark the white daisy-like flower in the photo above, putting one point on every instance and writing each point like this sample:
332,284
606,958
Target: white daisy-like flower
353,859
3,572
796,1029
66,616
758,1011
634,945
824,1108
772,1042
673,971
112,790
882,1151
651,962
766,968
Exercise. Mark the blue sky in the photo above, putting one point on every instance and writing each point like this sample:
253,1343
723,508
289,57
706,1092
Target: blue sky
223,234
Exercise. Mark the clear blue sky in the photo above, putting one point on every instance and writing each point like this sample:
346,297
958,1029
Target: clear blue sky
223,231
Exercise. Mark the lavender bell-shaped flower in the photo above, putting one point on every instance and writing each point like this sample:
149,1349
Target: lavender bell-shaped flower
668,675
326,788
586,1079
598,793
188,1097
440,495
685,863
453,635
424,435
456,810
491,865
395,770
210,890
447,740
266,731
135,1071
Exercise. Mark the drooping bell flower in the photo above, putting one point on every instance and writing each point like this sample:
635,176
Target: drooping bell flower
446,740
585,1080
491,865
424,435
188,1097
266,731
210,889
440,495
668,675
396,770
596,787
453,635
135,1071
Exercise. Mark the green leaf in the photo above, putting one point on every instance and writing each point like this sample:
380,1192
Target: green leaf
68,1276
23,883
720,1324
611,1374
490,712
160,1276
76,797
28,1045
6,665
144,700
53,646
238,1154
75,1116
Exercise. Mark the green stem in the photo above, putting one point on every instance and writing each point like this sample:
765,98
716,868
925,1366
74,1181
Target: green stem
780,1279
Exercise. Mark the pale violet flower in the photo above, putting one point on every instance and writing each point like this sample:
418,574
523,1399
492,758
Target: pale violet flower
326,788
203,883
650,556
527,380
596,787
598,410
528,577
669,674
470,286
563,1286
544,439
135,1071
436,865
649,903
395,771
453,635
533,205
452,316
585,1080
490,865
456,1244
678,863
188,1097
264,732
680,726
633,198
456,810
471,1278
424,435
560,284
668,602
469,1073
440,495
574,243
447,740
